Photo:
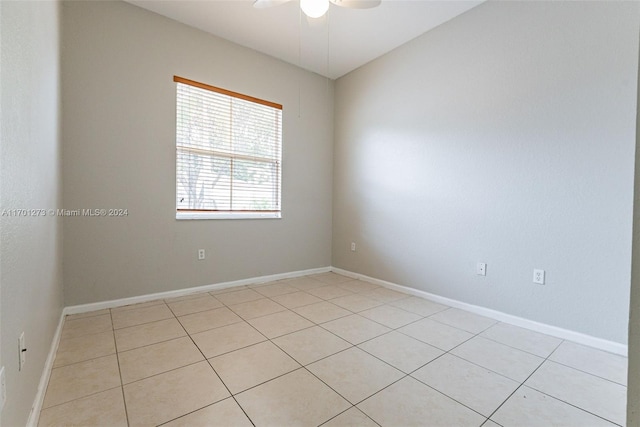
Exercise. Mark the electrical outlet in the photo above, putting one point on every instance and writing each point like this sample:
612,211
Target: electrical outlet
201,254
22,349
353,246
538,277
3,389
481,269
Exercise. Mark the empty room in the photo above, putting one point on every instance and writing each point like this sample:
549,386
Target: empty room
319,212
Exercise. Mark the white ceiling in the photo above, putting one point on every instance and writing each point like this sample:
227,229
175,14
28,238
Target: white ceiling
332,46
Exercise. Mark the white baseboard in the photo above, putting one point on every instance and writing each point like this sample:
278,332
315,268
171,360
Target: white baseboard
610,346
34,415
577,337
83,308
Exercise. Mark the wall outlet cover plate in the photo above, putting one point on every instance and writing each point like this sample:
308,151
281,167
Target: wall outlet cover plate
538,276
3,389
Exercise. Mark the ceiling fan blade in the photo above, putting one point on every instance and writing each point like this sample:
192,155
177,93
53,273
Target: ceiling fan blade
357,4
263,4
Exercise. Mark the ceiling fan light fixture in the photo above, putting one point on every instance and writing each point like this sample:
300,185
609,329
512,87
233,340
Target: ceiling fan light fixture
314,8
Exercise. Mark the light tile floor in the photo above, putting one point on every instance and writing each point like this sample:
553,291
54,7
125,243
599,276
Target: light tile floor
322,350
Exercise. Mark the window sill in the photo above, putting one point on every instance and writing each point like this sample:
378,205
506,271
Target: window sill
227,215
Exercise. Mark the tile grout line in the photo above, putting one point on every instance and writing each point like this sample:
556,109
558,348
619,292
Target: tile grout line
332,389
207,360
338,352
525,380
164,372
81,397
445,352
330,320
112,329
507,345
214,328
85,360
221,380
86,315
292,310
448,352
570,404
546,394
371,339
153,343
318,378
217,375
490,421
468,361
129,307
422,366
162,303
561,400
115,344
306,369
348,409
352,346
588,373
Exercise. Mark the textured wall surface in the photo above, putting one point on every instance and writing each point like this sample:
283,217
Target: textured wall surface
633,392
30,246
504,136
119,152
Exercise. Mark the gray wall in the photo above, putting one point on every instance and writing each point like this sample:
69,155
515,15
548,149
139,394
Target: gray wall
633,390
504,136
30,247
119,152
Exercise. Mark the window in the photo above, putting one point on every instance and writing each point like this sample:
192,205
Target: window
228,153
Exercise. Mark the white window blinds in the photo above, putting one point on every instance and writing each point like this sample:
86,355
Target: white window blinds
228,151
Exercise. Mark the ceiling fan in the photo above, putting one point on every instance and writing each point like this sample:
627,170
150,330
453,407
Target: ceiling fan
317,8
